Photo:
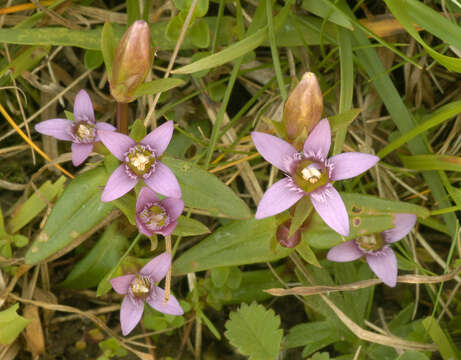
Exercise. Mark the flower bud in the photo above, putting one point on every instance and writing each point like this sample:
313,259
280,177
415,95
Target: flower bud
132,61
282,236
303,108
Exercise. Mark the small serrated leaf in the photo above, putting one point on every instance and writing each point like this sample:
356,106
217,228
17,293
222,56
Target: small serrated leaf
255,332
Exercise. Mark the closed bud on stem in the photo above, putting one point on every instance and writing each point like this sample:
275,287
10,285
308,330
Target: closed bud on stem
283,237
132,61
303,108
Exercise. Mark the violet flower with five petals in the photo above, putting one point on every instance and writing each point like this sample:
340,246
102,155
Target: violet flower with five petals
376,249
83,131
140,160
140,288
157,217
310,173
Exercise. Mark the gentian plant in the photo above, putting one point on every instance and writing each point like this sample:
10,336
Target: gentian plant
310,173
140,160
83,131
376,249
140,288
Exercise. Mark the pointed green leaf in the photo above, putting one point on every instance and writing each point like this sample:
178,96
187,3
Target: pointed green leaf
189,227
11,324
108,45
158,86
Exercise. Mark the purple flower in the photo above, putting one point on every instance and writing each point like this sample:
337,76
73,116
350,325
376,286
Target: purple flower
311,173
139,288
154,216
83,131
140,160
376,249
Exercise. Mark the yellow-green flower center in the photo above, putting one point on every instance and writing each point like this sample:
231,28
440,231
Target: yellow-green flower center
84,132
154,217
310,175
371,243
140,160
140,287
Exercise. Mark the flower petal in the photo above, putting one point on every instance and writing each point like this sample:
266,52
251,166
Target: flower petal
104,126
174,207
80,152
384,265
172,307
329,205
145,196
130,314
275,150
158,267
159,138
118,184
403,223
317,144
278,198
142,228
60,129
83,108
347,251
121,284
350,164
168,230
163,181
118,144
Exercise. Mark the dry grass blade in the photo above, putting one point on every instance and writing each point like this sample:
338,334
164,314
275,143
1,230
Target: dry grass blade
404,279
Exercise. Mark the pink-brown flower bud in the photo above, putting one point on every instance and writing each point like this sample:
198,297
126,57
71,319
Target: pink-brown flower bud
132,61
283,238
303,108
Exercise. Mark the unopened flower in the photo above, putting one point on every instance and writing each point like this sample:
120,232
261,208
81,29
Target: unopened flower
157,217
132,62
310,173
303,108
376,249
140,288
283,238
140,161
83,131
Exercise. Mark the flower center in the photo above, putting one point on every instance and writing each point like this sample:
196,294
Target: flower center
371,243
140,287
310,175
141,160
154,217
84,132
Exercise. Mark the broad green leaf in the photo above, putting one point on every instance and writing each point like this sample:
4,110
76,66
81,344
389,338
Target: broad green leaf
444,343
158,86
219,276
25,61
202,190
89,271
239,243
76,212
35,204
401,11
174,27
93,59
11,324
107,46
200,34
255,332
432,162
342,120
127,205
230,53
367,214
413,355
189,227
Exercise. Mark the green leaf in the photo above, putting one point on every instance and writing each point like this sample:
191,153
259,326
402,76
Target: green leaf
35,204
239,243
342,120
25,61
108,45
189,227
219,276
318,334
202,190
255,332
11,324
99,261
158,86
133,11
127,205
305,250
321,9
77,211
413,355
93,59
138,130
432,162
444,343
230,53
302,211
